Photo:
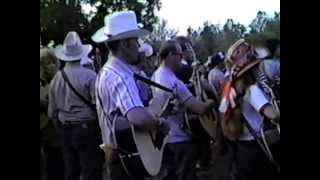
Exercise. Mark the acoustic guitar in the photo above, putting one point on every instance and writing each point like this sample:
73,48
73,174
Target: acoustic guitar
205,125
141,152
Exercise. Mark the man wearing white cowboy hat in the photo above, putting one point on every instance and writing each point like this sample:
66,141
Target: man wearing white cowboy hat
116,90
244,101
72,107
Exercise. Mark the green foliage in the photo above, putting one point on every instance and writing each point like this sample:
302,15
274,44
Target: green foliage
162,32
57,17
270,31
211,38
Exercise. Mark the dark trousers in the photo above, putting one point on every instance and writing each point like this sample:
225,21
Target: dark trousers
179,161
51,159
53,162
117,172
204,153
81,151
116,168
252,164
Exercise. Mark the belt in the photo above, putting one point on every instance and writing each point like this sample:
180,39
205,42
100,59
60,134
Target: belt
248,142
83,124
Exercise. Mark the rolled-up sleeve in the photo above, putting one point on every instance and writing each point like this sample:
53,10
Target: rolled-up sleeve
183,93
256,98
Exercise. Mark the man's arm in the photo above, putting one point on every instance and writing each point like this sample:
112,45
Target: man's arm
260,103
128,100
187,100
141,118
197,106
52,107
92,82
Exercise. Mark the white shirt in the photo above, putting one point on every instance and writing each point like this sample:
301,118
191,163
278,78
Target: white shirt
166,77
254,100
118,92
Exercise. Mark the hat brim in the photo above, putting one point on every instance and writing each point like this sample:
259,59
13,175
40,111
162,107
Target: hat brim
59,53
100,36
248,67
234,47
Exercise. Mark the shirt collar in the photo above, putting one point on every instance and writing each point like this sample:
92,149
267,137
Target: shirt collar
118,64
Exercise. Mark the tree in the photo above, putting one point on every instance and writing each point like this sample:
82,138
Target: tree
270,31
212,38
57,17
162,32
259,23
144,11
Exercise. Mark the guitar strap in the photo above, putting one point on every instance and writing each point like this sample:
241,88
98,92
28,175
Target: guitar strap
151,83
259,141
87,102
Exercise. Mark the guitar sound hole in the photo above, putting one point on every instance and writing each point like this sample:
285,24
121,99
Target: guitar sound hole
125,139
157,138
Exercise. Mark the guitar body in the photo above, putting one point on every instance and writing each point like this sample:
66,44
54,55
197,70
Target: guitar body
141,152
202,127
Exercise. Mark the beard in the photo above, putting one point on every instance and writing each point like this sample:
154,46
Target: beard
135,62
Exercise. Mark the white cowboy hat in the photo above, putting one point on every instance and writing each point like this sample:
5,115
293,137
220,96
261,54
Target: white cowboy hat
146,49
119,25
72,48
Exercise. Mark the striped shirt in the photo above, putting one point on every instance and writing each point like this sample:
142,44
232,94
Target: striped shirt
117,93
64,104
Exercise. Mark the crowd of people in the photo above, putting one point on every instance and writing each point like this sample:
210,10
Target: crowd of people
84,92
